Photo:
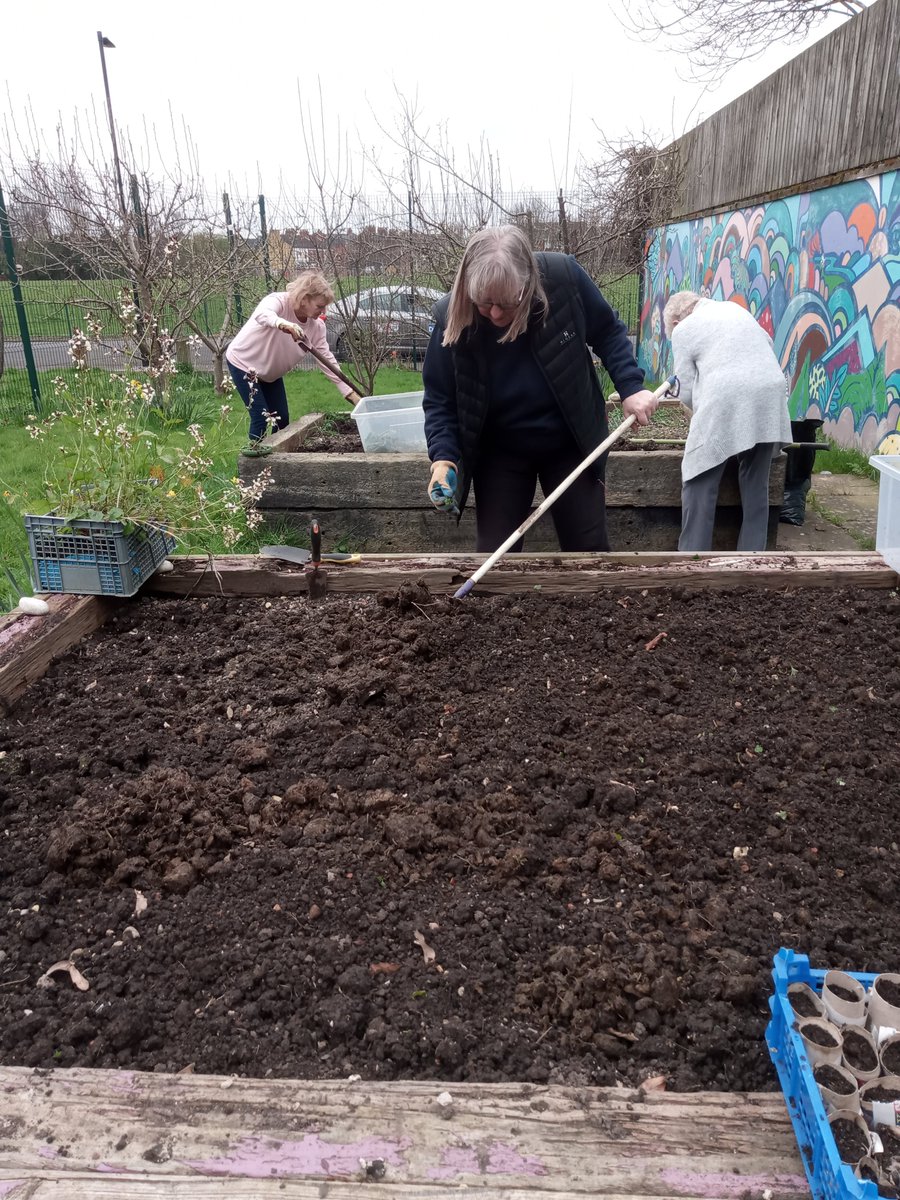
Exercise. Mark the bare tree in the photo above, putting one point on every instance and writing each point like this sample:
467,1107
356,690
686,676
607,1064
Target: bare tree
631,188
156,246
716,35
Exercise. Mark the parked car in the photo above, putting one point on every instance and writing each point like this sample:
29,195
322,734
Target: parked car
397,319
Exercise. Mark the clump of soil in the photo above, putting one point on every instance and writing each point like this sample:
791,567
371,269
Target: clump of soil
883,1092
829,1077
803,1004
844,993
818,1035
889,991
852,1142
490,840
890,1059
858,1052
338,434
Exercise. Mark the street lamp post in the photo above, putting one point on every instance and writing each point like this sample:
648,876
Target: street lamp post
105,44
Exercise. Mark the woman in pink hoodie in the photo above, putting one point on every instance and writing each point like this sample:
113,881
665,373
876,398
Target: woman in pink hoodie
283,327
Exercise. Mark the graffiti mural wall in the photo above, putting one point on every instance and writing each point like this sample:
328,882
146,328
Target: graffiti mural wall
821,273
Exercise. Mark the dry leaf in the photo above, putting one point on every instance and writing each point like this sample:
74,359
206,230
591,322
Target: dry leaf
140,902
74,974
656,1083
383,968
654,642
740,852
427,951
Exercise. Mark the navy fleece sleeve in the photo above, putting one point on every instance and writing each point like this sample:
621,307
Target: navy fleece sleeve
607,335
439,403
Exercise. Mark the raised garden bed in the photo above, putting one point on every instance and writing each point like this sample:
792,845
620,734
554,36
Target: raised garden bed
377,502
602,834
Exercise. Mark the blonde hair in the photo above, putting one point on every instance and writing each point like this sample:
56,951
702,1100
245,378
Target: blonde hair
310,283
679,306
497,261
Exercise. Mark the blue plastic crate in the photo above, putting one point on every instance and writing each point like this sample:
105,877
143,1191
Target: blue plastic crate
94,558
829,1177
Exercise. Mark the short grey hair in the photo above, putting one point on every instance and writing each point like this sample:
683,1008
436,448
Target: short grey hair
498,264
679,306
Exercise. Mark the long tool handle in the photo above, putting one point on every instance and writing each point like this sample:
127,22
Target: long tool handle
357,387
553,497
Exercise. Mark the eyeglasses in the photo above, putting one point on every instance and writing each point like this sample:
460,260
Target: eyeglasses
489,304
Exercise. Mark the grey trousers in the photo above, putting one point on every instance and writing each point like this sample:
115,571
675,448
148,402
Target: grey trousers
698,501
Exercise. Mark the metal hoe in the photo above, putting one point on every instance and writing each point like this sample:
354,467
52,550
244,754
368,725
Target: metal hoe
664,390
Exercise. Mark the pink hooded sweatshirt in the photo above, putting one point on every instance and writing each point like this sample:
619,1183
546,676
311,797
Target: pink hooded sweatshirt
271,352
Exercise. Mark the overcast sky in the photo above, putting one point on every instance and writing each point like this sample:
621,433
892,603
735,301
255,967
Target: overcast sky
536,79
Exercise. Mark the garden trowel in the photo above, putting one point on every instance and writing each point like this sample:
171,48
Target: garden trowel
297,554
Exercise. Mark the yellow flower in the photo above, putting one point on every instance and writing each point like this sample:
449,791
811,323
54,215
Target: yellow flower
170,492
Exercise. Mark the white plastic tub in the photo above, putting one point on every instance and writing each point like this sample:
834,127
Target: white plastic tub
391,424
887,538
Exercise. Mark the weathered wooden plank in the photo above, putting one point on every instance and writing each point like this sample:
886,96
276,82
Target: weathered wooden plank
553,574
49,1185
322,482
414,531
28,645
291,437
115,1129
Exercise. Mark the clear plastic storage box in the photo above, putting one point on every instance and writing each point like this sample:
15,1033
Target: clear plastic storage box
887,538
391,424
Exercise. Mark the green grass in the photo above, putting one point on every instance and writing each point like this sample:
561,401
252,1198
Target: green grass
194,399
845,462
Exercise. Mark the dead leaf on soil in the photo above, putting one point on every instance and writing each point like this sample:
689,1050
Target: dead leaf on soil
656,1083
626,1037
74,974
654,642
140,902
427,952
384,968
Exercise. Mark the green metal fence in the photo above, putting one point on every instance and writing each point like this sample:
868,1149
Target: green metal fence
54,309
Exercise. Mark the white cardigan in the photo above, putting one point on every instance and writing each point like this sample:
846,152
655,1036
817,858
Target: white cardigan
732,381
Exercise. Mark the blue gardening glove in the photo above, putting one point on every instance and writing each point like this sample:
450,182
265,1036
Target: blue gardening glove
442,487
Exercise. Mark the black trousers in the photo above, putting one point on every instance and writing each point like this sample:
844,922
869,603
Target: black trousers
504,493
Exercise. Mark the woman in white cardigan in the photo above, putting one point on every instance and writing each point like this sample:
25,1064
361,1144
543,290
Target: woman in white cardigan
733,385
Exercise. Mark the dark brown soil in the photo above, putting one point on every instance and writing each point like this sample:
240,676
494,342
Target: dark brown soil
844,993
884,1092
803,1005
818,1035
496,839
829,1077
890,1059
852,1143
858,1052
889,990
339,434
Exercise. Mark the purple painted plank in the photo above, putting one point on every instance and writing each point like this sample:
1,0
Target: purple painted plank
495,1158
264,1158
714,1183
